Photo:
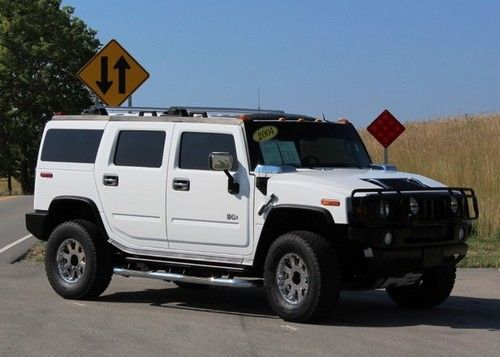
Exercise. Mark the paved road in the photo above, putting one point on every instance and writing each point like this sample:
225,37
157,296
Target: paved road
12,226
146,317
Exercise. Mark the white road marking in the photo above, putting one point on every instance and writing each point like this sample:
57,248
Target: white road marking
20,240
78,304
290,327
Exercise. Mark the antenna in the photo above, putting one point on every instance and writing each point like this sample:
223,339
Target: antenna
258,97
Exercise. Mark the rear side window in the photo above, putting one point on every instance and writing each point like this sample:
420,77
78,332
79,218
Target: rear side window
140,148
197,147
71,145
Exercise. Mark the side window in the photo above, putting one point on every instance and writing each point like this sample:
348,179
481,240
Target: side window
197,147
140,148
71,145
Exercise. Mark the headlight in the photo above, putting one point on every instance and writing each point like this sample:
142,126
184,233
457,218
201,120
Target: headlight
384,209
388,238
453,204
414,206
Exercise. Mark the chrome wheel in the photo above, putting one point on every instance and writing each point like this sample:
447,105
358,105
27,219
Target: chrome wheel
70,260
293,278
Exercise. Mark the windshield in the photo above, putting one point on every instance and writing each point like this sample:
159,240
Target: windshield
305,144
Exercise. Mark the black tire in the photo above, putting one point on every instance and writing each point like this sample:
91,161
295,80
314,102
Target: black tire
432,290
96,274
320,261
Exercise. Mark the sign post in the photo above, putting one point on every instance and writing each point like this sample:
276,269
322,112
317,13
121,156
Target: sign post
386,128
113,74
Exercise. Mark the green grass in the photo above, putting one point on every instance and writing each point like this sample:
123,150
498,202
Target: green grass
484,252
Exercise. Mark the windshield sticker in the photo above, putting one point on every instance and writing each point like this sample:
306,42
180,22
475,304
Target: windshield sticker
265,133
289,153
271,153
280,153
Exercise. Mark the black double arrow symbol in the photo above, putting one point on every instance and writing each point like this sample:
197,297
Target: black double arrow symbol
122,66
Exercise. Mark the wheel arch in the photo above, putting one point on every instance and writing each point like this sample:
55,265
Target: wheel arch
64,208
291,217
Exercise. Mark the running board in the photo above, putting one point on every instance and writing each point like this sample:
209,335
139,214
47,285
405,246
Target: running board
234,282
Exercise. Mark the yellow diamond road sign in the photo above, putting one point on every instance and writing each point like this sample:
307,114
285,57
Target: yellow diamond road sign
113,74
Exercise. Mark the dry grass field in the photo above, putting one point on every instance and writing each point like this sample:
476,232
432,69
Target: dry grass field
458,151
16,187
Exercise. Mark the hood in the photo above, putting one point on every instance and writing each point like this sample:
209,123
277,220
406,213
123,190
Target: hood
307,187
343,181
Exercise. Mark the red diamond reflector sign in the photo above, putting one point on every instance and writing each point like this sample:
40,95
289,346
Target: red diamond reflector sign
386,128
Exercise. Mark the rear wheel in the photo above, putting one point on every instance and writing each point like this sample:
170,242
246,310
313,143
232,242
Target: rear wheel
431,290
78,261
302,277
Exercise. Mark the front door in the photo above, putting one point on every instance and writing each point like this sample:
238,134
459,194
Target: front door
202,216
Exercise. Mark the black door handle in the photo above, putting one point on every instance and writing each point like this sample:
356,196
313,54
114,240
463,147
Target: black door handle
180,184
110,180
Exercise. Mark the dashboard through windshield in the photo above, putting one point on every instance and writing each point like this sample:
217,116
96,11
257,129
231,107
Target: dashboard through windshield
305,144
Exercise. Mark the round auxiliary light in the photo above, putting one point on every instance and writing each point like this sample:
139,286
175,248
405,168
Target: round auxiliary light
461,233
388,238
414,206
453,204
384,209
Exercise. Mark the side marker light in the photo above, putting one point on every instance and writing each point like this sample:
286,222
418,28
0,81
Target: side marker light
330,202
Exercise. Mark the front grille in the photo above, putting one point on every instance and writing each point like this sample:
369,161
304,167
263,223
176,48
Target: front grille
429,233
391,206
433,209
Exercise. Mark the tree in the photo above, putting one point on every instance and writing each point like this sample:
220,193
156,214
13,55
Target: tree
42,47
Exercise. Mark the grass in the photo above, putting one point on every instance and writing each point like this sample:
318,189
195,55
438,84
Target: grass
36,255
483,252
458,151
16,187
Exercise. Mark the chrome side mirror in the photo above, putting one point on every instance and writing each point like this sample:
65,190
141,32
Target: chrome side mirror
221,161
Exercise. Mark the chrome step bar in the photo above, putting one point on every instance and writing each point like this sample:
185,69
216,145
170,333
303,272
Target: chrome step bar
227,282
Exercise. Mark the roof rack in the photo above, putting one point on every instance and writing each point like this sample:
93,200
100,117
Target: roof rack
180,111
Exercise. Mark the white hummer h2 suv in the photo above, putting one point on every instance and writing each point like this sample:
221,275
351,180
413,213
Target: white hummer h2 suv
241,198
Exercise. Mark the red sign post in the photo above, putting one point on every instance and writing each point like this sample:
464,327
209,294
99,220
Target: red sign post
386,128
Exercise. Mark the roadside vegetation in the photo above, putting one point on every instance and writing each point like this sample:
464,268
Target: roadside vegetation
458,151
42,47
4,187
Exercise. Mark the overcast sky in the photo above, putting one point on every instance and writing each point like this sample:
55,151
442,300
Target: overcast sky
419,59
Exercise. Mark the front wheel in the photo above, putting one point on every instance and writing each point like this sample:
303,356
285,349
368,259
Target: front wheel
302,277
77,260
431,290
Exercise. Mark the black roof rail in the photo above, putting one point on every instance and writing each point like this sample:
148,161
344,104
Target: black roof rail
181,111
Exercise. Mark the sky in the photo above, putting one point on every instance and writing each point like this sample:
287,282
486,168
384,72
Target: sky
351,59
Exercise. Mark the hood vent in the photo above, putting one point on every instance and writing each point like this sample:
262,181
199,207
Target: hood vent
400,184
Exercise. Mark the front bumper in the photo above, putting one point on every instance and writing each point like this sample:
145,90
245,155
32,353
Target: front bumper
368,262
386,262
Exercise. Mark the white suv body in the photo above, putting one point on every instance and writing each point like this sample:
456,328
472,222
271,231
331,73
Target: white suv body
157,199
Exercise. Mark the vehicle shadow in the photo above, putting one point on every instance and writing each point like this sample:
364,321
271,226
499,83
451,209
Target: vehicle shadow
232,301
362,309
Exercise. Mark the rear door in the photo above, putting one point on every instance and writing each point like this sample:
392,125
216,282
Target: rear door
131,177
202,216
